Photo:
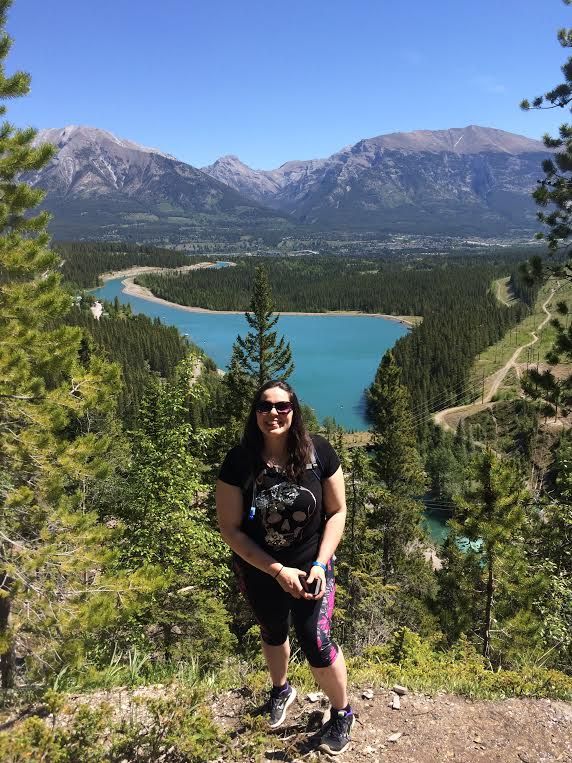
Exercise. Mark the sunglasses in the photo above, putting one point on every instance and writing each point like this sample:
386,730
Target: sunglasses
265,406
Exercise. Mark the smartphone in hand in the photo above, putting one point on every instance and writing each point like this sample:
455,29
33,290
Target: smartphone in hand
314,587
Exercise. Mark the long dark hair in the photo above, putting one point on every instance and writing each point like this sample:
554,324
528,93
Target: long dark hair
298,446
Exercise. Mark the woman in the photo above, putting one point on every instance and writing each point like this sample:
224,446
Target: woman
281,508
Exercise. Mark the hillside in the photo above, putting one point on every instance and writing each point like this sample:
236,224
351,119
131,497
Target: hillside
101,186
143,722
463,181
426,729
472,179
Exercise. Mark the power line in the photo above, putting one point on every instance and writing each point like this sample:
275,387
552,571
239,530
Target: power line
430,415
445,397
452,391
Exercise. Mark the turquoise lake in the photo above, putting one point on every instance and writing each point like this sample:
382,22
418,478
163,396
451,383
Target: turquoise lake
336,356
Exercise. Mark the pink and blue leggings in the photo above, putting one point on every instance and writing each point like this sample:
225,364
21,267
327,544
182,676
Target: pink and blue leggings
274,608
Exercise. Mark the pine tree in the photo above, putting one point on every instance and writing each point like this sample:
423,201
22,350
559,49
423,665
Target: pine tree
168,527
396,467
259,353
554,197
553,396
492,515
239,388
354,571
460,586
309,417
550,551
55,430
396,535
555,189
397,463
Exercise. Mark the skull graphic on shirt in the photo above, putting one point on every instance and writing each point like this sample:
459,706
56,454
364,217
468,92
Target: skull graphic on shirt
283,515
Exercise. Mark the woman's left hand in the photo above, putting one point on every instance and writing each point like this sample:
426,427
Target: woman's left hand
316,573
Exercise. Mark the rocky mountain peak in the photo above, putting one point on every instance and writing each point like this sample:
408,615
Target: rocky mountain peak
471,179
229,169
459,140
98,181
229,160
81,136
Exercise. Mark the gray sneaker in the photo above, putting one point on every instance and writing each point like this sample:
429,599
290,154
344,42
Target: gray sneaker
335,735
278,706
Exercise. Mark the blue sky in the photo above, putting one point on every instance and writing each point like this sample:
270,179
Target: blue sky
272,81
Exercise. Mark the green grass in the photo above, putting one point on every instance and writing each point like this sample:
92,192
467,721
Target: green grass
502,291
165,206
422,666
176,714
510,387
141,217
495,356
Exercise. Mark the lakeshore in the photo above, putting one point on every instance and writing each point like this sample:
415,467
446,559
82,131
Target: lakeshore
137,270
136,290
336,356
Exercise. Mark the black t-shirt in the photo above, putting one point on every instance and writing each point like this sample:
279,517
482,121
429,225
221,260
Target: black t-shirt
283,518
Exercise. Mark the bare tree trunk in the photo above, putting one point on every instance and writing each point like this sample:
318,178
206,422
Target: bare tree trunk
167,643
352,592
352,524
488,610
385,557
7,658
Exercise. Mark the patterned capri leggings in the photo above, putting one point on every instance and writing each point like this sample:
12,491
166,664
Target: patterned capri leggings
273,609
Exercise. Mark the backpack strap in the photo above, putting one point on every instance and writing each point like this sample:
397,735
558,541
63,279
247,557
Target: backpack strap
315,465
247,483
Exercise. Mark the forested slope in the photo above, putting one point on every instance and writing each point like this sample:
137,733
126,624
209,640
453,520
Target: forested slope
139,344
83,262
114,573
461,314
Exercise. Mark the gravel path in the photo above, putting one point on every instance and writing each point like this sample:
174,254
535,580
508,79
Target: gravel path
449,417
425,730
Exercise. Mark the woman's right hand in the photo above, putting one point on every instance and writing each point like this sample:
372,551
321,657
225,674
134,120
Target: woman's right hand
289,580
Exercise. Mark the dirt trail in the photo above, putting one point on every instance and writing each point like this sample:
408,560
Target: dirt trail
428,730
499,376
499,287
450,417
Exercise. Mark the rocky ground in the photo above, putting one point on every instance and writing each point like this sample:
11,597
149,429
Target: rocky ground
424,730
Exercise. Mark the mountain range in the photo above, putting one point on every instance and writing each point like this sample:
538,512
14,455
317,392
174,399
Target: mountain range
472,180
101,186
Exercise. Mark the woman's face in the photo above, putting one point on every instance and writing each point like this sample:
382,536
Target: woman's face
274,424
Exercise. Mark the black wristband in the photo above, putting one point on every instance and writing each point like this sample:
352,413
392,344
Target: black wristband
279,571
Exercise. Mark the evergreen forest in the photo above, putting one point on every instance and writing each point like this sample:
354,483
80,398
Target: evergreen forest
454,296
83,263
113,573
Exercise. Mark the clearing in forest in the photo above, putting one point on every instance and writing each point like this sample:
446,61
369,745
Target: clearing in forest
503,291
523,346
497,355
